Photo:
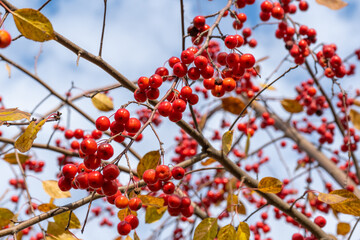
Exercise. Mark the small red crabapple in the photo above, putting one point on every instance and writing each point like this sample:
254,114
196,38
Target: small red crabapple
135,203
163,172
132,220
178,173
124,228
111,172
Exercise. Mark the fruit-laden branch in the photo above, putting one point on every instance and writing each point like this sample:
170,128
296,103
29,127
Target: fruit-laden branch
228,164
86,200
303,144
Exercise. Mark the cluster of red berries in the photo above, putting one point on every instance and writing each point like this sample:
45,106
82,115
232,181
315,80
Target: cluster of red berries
144,115
5,38
307,97
186,147
159,178
198,29
248,128
320,221
260,226
277,10
33,165
331,62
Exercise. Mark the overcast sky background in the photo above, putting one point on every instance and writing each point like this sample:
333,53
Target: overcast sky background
140,36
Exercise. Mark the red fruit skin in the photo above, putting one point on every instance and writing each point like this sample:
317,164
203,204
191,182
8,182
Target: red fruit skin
95,179
109,188
133,125
5,39
168,188
178,173
81,180
124,228
135,203
149,176
111,199
155,187
105,151
64,184
163,172
122,115
111,172
69,171
174,201
121,202
133,220
188,211
92,161
88,146
102,123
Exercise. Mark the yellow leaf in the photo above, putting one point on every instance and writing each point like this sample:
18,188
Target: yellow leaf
355,118
52,189
208,161
271,88
5,216
344,193
226,233
291,105
206,230
357,102
330,198
343,228
332,4
128,238
247,146
13,114
8,69
151,201
45,207
125,212
57,232
350,206
233,105
270,185
102,102
25,141
136,237
234,204
63,219
33,25
227,141
153,214
202,121
243,232
11,158
149,161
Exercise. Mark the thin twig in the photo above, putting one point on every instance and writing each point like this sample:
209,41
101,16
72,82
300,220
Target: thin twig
103,29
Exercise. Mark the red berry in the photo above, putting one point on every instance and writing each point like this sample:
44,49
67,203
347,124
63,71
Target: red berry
320,221
187,56
109,188
143,83
149,176
78,133
64,184
165,109
92,161
95,179
199,22
230,41
133,220
155,81
81,180
174,201
133,125
180,69
88,146
179,105
178,173
122,115
69,171
111,172
121,202
163,172
247,60
135,203
5,39
69,134
105,151
102,123
297,236
124,228
168,188
201,62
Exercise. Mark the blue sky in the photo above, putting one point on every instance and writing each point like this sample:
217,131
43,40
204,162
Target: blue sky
140,36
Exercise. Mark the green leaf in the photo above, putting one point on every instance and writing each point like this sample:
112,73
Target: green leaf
227,139
33,25
11,158
270,185
206,230
243,232
149,161
153,214
25,141
5,216
226,233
